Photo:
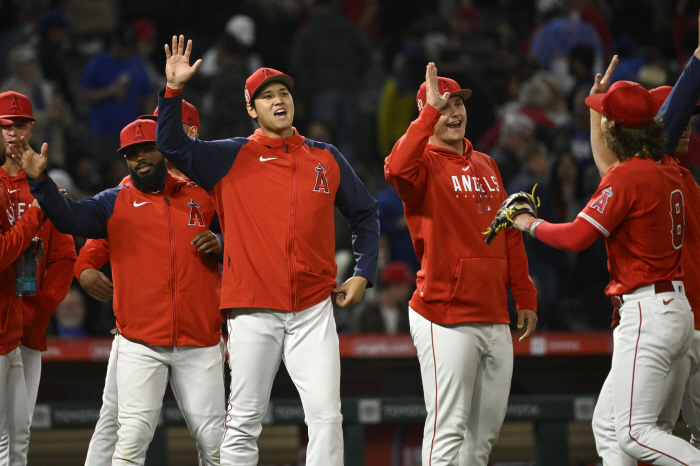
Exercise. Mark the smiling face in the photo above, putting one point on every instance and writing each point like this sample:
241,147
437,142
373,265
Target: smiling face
20,127
450,127
274,110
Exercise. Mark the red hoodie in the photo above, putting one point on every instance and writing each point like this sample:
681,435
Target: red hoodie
166,293
15,237
449,200
53,272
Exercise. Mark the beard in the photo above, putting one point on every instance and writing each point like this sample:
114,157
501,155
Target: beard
152,182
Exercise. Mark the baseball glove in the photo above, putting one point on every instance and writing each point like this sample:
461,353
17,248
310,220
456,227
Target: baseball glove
516,204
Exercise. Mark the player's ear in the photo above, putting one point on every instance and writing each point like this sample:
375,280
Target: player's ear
252,112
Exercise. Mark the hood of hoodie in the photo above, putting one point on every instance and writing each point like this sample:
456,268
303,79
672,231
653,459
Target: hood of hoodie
293,142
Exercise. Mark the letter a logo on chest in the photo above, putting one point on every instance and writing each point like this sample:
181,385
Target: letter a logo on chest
321,185
195,214
602,200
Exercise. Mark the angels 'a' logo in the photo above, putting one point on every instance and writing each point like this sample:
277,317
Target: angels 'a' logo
602,200
266,73
195,213
442,86
420,104
321,181
14,105
138,133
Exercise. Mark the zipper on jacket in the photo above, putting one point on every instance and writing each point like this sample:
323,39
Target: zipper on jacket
290,252
173,271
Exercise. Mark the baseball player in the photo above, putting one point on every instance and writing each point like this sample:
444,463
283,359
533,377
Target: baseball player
674,112
275,193
639,208
16,235
458,314
53,272
179,335
95,254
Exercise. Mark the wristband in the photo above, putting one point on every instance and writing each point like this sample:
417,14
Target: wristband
533,225
170,92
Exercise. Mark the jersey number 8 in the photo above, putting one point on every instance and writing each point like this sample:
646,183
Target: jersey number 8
678,219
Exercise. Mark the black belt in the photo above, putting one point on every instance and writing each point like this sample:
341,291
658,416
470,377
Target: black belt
659,287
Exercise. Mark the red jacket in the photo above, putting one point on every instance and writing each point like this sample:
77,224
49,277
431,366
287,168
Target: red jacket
53,272
449,200
276,199
166,293
15,237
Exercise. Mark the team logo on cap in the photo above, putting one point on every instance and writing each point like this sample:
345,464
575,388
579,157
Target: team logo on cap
266,73
195,214
321,185
14,105
602,200
442,86
138,133
420,104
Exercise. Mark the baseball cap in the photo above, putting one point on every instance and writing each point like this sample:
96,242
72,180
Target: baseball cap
15,105
263,76
190,115
444,85
397,272
660,94
626,103
137,132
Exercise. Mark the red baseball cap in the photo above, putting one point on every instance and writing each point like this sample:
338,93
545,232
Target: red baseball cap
397,272
263,76
626,103
660,94
190,115
15,105
444,85
136,132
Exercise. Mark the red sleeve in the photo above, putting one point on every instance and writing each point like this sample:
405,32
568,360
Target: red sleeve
519,281
169,92
93,255
403,168
611,203
575,236
15,241
60,260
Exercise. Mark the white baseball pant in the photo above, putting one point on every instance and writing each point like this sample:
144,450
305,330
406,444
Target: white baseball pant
307,342
654,334
691,396
196,377
14,413
31,363
466,371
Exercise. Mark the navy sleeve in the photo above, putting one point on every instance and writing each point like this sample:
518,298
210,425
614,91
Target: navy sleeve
204,162
675,113
360,211
86,218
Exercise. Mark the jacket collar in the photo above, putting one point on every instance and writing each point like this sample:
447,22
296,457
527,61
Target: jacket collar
6,176
293,142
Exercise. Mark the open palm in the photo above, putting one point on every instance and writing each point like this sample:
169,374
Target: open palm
177,65
32,163
432,95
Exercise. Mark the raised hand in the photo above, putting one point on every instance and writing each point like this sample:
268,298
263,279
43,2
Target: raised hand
601,84
32,163
177,65
433,96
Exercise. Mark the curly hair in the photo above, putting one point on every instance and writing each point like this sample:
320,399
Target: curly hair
626,142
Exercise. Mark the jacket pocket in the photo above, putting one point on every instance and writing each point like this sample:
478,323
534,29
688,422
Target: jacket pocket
480,283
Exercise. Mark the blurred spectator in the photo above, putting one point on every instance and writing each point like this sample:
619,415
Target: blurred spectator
581,62
516,130
242,29
567,188
653,74
146,34
389,313
54,40
394,228
51,113
328,60
397,104
631,60
116,85
70,315
581,129
225,110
